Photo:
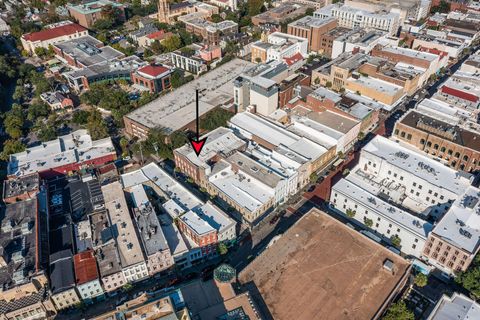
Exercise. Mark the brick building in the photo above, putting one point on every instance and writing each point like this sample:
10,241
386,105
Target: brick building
87,14
456,146
50,36
312,29
154,78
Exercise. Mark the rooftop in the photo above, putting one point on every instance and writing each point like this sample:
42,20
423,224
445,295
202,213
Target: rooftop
21,185
151,173
461,224
411,53
148,225
247,192
353,188
222,302
52,33
105,68
176,109
219,141
154,71
128,244
76,147
254,169
320,266
18,243
446,130
85,267
377,85
311,22
457,306
93,6
88,51
62,277
419,165
248,125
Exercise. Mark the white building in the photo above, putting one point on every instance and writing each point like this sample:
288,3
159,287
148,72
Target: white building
53,34
392,180
351,18
452,47
386,219
457,306
363,40
155,245
279,46
180,201
232,4
134,267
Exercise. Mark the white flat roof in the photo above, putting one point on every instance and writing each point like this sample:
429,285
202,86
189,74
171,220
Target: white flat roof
461,224
411,53
176,109
152,172
128,243
417,164
248,193
220,140
276,135
76,147
182,203
377,84
386,210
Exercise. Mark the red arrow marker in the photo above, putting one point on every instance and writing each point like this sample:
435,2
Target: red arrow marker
197,144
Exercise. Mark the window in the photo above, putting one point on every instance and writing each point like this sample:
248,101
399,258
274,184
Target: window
409,136
414,184
414,246
442,149
457,155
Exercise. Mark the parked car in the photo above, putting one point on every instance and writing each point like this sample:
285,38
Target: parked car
274,219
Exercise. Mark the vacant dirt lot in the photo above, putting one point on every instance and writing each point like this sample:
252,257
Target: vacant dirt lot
321,269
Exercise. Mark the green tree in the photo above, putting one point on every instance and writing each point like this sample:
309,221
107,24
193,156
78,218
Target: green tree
218,117
124,145
254,7
420,280
46,134
11,147
396,241
313,177
368,222
178,139
127,287
222,249
398,311
80,117
19,93
216,18
41,52
350,213
37,110
172,43
443,7
96,125
470,279
14,122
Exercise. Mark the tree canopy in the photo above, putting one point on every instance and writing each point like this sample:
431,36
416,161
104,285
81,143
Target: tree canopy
470,279
398,311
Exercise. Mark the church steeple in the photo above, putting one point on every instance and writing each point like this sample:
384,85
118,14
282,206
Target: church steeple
163,11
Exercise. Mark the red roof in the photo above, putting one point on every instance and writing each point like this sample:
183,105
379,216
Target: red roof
293,59
85,267
459,94
158,35
434,51
153,70
53,33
